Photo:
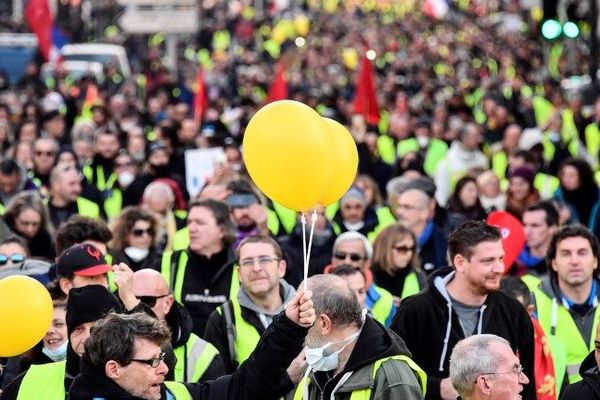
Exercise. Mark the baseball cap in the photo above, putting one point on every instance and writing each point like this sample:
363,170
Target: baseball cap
82,259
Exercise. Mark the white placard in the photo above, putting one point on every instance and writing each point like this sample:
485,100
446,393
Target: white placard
199,166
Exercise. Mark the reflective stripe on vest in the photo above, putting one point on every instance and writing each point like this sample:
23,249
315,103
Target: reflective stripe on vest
436,151
87,208
385,146
411,285
272,222
383,307
193,359
286,216
546,184
365,393
175,278
101,182
592,142
499,164
531,281
556,320
181,240
113,204
2,209
45,381
178,390
246,335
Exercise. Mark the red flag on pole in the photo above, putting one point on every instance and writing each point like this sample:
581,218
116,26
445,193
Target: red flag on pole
38,17
278,89
365,100
199,97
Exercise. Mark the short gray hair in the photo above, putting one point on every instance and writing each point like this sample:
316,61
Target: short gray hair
333,297
470,358
352,236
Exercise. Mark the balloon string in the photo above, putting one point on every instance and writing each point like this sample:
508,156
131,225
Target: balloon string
303,221
313,220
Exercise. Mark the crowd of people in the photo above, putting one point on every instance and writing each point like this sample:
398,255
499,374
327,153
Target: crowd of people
408,296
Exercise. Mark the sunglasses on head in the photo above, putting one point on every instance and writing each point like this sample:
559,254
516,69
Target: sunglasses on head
15,258
140,232
340,255
150,301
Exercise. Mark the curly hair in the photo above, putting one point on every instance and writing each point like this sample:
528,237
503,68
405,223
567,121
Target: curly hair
122,225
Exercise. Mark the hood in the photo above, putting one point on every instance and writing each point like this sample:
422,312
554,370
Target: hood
180,323
438,282
374,342
286,291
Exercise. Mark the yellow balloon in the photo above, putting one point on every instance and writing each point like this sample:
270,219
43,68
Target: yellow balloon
350,58
302,25
287,150
25,314
345,162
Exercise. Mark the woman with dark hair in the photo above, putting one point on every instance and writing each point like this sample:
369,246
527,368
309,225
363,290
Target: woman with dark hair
521,193
135,233
27,216
578,190
465,200
395,263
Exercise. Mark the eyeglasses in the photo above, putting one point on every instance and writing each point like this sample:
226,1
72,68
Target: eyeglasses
45,153
517,370
140,232
15,258
340,255
404,249
153,362
150,301
263,262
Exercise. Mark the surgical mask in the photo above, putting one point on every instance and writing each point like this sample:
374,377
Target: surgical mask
57,355
318,360
135,253
423,141
354,226
125,179
139,156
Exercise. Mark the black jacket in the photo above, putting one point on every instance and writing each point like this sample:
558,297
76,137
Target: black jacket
262,376
433,252
181,325
422,321
374,342
206,284
589,387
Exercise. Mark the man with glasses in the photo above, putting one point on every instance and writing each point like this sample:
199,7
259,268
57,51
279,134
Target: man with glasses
414,208
236,326
44,159
485,367
354,249
65,196
124,360
196,359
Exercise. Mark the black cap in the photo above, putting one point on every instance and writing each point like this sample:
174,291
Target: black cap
81,259
88,304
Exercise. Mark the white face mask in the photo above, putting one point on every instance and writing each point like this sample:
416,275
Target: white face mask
125,179
318,361
135,253
423,141
59,354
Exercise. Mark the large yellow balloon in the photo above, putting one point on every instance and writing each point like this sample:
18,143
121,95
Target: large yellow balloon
25,314
287,151
345,163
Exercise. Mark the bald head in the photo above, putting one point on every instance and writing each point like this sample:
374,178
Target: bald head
150,286
333,297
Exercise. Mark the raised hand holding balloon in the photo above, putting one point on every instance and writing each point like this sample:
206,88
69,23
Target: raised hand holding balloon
299,159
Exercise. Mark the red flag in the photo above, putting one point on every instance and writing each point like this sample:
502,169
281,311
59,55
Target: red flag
38,17
199,97
365,100
545,376
278,89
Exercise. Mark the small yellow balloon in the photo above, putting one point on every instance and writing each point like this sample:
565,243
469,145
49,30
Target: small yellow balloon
25,314
302,25
278,34
287,151
345,163
350,58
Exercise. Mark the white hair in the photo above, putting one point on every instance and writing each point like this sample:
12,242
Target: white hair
352,236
